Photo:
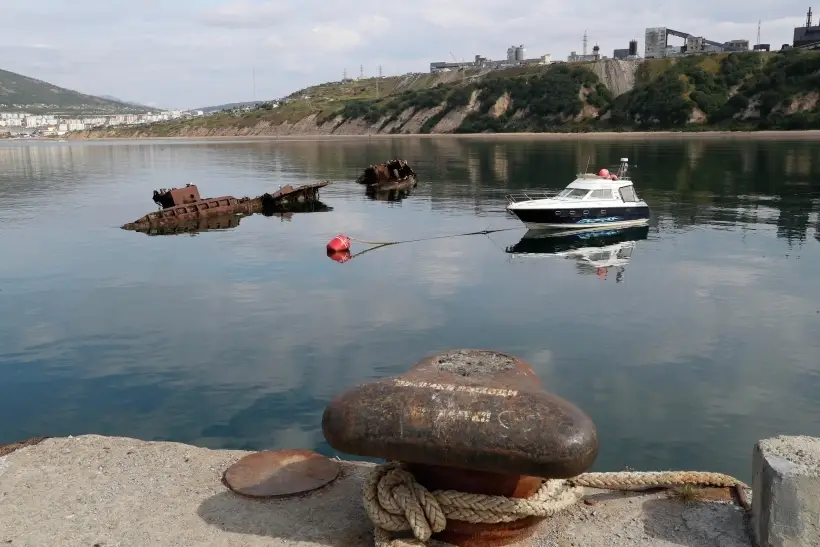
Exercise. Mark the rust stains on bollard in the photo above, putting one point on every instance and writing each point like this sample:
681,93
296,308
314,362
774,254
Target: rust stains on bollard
469,420
280,473
469,409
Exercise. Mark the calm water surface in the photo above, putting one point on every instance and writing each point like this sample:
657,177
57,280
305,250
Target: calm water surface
704,339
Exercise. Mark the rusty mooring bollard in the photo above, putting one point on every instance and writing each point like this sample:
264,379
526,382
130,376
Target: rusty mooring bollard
469,420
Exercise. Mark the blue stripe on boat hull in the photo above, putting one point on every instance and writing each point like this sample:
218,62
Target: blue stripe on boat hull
610,215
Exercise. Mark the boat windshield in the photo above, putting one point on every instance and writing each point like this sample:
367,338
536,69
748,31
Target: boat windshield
572,193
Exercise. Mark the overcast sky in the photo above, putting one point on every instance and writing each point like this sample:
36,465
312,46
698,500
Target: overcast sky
190,53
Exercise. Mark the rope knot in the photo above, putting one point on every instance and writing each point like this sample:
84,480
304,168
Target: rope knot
396,502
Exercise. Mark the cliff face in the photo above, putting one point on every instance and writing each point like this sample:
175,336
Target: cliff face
734,91
307,126
417,104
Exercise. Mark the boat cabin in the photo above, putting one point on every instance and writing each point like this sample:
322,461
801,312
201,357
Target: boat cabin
177,196
602,185
590,187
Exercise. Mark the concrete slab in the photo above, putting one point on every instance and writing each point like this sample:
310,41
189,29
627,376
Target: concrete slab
786,482
109,491
628,519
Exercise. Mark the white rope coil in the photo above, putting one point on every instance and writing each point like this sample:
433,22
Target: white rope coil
396,502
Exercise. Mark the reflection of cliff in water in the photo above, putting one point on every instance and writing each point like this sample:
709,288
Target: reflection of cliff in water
596,252
225,221
687,183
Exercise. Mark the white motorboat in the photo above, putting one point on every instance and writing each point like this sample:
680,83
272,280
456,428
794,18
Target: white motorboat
592,200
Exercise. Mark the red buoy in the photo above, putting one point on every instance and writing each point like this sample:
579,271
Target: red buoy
339,243
339,256
603,173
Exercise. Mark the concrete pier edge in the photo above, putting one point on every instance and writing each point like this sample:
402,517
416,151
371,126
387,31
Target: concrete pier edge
786,492
114,491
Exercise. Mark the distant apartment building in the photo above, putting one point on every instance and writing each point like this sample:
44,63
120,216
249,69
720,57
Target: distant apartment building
13,118
50,124
75,125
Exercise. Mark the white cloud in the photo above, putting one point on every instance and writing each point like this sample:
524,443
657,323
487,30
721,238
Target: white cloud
334,38
247,14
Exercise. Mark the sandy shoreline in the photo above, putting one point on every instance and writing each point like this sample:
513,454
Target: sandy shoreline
631,135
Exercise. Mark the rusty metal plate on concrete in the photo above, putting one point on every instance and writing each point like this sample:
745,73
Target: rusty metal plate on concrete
470,409
280,473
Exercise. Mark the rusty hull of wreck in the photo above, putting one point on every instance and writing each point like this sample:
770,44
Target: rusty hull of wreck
183,207
389,175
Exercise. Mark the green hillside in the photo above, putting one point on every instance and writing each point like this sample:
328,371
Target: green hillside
733,91
739,91
21,93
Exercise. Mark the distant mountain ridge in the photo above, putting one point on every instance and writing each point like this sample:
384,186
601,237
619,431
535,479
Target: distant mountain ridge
217,108
131,103
18,92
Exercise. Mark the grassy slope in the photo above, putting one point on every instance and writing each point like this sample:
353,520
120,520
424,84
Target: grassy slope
39,96
737,91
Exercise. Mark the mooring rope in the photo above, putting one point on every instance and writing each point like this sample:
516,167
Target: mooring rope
385,243
396,502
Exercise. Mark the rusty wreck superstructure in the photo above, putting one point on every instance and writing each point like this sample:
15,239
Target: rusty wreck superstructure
389,175
184,210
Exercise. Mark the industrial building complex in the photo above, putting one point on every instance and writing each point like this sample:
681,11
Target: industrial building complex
656,46
807,37
516,56
629,53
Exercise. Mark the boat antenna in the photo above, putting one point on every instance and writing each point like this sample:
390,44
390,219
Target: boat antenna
624,167
589,159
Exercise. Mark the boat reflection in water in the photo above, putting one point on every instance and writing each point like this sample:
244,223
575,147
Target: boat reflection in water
224,221
596,251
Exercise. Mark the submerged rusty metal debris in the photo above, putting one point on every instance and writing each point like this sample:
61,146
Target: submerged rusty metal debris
389,175
183,210
281,473
468,420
